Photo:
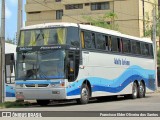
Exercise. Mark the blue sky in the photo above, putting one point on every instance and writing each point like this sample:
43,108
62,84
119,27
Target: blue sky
11,18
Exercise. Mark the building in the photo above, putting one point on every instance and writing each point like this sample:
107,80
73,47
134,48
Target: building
131,13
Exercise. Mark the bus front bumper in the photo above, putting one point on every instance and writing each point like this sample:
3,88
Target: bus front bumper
41,94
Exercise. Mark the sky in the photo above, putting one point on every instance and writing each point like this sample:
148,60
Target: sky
11,18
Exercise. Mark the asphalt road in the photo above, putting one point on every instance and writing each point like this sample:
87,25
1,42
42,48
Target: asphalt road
150,103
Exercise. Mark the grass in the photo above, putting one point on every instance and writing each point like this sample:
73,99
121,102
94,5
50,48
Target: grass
15,104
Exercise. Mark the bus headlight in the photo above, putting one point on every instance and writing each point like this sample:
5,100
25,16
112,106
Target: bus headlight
19,86
62,84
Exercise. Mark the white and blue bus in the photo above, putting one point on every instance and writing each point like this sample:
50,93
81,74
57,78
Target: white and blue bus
62,61
10,55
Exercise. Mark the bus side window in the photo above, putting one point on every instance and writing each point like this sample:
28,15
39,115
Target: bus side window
116,44
126,45
136,49
100,41
93,41
107,44
82,39
145,49
110,43
87,39
151,50
119,45
9,67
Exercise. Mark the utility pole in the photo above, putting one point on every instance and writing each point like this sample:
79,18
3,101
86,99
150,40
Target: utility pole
20,17
155,44
2,53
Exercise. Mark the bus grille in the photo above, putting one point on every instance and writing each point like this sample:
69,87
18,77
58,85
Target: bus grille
37,85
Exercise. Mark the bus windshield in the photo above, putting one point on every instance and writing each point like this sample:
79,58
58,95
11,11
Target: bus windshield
40,65
49,36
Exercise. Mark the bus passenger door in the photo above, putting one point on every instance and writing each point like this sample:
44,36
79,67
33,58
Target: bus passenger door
9,77
73,65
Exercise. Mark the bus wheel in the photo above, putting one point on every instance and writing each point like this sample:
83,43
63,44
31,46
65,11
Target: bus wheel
84,95
43,102
134,91
141,90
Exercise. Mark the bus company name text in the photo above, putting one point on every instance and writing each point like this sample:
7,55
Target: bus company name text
121,61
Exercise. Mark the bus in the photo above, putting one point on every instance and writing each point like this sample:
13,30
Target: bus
10,55
69,61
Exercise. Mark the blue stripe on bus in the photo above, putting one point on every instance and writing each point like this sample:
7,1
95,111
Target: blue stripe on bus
30,82
118,84
10,92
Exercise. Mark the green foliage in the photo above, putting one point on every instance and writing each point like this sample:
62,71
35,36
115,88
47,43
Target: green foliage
14,104
11,41
101,21
148,26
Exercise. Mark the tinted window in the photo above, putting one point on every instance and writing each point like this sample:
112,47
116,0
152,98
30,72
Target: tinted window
136,47
74,6
40,37
145,48
89,39
73,36
150,50
126,45
100,40
115,44
100,6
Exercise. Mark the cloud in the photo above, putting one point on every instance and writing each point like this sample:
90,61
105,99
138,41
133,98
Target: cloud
8,13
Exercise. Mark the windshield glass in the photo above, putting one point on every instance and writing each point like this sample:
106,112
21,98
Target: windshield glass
49,36
39,37
40,65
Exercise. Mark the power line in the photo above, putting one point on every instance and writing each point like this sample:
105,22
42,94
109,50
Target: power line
122,25
87,13
55,10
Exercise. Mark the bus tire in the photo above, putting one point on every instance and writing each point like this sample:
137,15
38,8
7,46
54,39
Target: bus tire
43,102
134,91
84,95
141,90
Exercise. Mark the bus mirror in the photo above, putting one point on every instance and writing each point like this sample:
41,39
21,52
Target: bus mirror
24,66
71,69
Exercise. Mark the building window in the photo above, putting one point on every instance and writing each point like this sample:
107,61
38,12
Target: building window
58,0
100,6
34,12
86,4
59,14
74,6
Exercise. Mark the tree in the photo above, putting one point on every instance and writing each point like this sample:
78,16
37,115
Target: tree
105,21
11,41
148,31
148,26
